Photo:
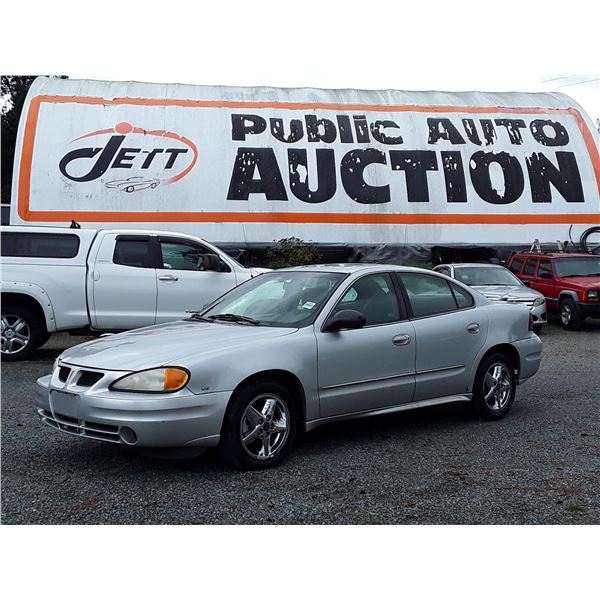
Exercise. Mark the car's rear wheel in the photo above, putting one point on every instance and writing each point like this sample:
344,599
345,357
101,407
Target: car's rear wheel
260,426
495,387
570,318
22,333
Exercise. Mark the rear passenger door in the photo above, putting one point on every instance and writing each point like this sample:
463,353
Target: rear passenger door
122,291
529,271
449,333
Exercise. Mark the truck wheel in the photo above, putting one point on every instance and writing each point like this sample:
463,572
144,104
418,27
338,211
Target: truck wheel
260,426
570,318
494,388
22,333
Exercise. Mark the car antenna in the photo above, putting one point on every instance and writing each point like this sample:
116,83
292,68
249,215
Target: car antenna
74,225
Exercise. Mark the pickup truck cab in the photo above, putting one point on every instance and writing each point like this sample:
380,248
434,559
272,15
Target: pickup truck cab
570,282
77,280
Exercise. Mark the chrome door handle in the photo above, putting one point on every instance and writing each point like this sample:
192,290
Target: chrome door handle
168,278
473,328
401,340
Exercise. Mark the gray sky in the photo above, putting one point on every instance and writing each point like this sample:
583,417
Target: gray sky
452,46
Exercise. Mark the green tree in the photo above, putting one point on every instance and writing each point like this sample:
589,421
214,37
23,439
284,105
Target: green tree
292,252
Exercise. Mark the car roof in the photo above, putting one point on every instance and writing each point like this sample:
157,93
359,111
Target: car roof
349,268
458,265
554,254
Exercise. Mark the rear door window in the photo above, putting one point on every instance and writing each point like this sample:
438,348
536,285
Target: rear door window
530,266
428,295
545,267
133,251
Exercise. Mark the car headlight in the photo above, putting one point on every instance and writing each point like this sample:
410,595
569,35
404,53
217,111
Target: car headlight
539,301
593,295
164,379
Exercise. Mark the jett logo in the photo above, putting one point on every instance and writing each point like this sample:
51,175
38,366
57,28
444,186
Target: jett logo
152,154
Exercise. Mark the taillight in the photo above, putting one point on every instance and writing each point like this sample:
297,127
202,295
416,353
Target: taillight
530,322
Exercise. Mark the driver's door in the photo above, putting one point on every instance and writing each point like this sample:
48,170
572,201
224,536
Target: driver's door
372,367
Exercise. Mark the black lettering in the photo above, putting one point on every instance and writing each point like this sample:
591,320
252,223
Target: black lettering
513,127
148,160
242,125
320,130
326,184
565,178
454,176
296,130
471,131
489,131
269,182
345,128
443,129
415,164
538,130
174,152
102,162
378,133
122,156
362,129
352,170
511,171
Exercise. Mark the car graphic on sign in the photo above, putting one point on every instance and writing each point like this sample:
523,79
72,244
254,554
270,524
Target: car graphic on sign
133,184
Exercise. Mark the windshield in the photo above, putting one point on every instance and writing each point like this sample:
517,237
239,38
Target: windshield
277,299
579,266
485,276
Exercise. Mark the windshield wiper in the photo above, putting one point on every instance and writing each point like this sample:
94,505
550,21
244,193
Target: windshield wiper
234,318
195,314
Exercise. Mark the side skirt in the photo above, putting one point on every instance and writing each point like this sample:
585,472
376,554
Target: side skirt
310,425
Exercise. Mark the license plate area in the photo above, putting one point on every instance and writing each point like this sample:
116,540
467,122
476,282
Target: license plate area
64,403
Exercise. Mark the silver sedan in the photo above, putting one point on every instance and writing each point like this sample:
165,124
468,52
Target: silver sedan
499,284
291,350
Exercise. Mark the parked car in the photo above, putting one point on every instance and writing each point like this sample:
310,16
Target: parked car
291,350
133,184
500,285
60,279
570,282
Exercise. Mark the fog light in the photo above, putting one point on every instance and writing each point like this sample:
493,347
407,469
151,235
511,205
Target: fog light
128,435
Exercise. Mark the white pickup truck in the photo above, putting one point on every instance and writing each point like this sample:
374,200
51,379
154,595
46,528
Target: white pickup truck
62,279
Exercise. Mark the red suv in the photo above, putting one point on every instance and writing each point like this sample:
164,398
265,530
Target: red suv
570,282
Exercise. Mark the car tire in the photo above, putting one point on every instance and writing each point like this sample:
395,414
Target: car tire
494,388
260,426
22,333
570,319
129,189
537,329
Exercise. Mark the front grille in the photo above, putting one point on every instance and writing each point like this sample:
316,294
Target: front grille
88,429
63,374
89,378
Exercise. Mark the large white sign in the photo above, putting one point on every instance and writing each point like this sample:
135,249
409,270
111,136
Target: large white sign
443,169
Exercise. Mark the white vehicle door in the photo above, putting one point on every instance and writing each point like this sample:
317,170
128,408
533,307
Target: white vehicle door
123,282
372,367
449,332
182,282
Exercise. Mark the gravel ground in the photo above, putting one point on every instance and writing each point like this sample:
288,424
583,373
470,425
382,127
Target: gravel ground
541,464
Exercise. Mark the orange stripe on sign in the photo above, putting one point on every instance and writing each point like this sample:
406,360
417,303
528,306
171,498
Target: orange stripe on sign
24,184
280,217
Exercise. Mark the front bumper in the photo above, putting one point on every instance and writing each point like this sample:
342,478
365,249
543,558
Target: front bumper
539,314
530,354
144,420
589,310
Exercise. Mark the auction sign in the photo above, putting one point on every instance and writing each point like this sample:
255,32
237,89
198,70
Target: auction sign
253,165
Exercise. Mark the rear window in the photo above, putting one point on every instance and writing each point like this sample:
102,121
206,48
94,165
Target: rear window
133,252
40,245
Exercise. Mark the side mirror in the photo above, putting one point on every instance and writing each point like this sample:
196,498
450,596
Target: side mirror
527,283
345,319
211,262
545,275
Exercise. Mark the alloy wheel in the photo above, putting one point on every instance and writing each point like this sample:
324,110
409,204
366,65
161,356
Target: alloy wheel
565,314
497,386
265,426
15,334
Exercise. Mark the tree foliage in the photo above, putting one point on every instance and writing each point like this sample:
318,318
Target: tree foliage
292,252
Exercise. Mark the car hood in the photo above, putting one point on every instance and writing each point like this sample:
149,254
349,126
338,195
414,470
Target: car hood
507,292
586,283
168,344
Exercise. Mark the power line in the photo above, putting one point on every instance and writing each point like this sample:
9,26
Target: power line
580,82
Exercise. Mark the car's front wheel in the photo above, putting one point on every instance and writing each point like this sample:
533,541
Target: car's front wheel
494,388
260,426
570,318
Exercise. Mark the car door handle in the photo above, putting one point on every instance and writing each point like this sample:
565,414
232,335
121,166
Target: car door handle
401,340
168,278
473,328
